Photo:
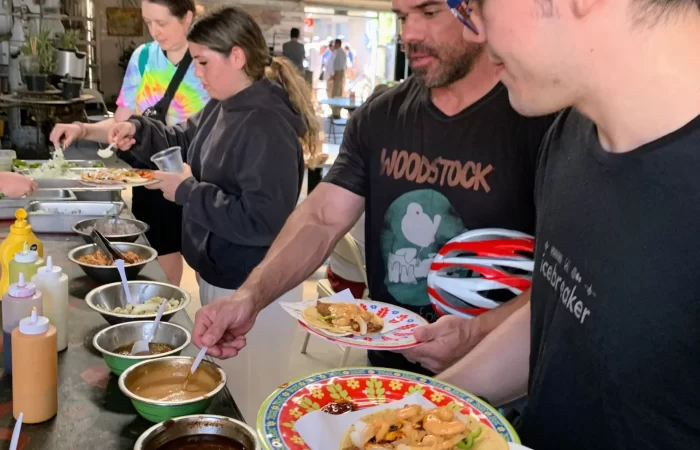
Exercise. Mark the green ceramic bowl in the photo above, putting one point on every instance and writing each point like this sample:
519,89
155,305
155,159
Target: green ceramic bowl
111,338
152,371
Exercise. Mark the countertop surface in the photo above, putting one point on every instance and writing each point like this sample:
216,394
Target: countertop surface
92,412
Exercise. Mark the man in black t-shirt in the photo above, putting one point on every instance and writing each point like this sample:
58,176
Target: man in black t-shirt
613,328
444,144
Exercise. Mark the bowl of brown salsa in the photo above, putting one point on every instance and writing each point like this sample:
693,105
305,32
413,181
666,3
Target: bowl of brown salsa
199,432
115,343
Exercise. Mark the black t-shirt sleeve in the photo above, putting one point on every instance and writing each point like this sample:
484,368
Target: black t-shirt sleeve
543,155
350,170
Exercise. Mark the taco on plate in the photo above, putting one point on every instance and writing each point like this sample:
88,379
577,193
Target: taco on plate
413,427
343,318
117,176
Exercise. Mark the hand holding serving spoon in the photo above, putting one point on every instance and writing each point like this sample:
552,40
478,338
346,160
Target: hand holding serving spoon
195,365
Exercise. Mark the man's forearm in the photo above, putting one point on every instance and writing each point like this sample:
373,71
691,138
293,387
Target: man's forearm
305,242
491,320
497,368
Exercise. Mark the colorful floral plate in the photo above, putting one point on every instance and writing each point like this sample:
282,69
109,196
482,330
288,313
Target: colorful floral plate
399,338
365,387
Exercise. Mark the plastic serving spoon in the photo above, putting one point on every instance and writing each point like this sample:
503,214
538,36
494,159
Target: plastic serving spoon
142,346
15,433
106,152
122,275
195,365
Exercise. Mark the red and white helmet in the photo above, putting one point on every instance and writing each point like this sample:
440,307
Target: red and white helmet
473,271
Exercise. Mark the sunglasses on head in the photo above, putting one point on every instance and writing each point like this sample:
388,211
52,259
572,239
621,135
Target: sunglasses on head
462,10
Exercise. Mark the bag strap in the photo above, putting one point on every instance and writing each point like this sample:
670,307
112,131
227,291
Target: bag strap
164,103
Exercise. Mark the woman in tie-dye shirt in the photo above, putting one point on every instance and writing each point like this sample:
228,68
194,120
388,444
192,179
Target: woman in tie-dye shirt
147,77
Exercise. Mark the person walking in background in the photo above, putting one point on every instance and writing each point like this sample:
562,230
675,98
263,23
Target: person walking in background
294,50
351,56
337,65
151,69
326,53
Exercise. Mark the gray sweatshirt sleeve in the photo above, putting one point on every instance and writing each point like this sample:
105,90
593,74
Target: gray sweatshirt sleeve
153,136
266,167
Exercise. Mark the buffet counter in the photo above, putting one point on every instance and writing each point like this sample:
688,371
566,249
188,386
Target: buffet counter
92,413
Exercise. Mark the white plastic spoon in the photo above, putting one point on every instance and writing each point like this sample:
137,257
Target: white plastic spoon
142,346
122,275
105,153
15,433
195,365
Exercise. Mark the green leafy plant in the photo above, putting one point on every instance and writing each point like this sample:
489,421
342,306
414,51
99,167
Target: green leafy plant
68,40
41,47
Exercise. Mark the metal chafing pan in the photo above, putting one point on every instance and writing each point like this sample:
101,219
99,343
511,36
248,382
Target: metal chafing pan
9,206
59,217
79,163
70,180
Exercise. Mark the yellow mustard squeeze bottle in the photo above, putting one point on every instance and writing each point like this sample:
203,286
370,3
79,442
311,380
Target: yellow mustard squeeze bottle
35,365
20,232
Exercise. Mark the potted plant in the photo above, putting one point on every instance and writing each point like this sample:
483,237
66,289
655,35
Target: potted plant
69,61
37,61
68,40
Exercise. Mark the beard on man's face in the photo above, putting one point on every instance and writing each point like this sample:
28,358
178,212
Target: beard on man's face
454,62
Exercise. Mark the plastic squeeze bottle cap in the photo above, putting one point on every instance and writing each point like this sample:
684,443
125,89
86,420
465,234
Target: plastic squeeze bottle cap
21,226
26,255
49,270
21,289
34,324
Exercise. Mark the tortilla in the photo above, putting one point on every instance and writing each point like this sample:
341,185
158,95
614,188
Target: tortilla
488,439
117,176
314,317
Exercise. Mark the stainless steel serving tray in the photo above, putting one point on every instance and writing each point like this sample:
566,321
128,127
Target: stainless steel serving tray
64,183
59,217
8,206
79,163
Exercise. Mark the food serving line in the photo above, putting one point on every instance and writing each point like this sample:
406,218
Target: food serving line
110,400
93,413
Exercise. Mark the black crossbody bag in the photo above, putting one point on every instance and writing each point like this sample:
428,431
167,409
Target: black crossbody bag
159,111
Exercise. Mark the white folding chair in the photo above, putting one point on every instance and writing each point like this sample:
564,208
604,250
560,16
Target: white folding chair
347,249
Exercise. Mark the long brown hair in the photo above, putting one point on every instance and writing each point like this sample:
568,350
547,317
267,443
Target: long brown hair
223,29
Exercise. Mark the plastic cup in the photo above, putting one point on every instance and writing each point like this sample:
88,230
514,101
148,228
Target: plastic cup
169,160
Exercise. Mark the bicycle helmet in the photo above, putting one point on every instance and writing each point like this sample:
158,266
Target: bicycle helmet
479,270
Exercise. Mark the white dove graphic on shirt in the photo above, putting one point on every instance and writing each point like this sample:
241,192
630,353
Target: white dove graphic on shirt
417,227
405,265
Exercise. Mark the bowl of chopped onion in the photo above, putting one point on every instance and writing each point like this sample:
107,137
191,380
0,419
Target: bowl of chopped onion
111,302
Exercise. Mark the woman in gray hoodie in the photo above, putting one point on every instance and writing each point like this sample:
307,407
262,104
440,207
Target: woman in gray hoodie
245,150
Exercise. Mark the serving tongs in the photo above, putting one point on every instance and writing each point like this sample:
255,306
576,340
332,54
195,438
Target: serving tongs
111,252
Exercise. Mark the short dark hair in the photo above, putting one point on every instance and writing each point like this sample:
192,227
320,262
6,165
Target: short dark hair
178,8
652,11
294,34
338,42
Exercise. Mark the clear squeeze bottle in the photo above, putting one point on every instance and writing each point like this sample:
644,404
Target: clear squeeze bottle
35,361
27,262
53,284
17,304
